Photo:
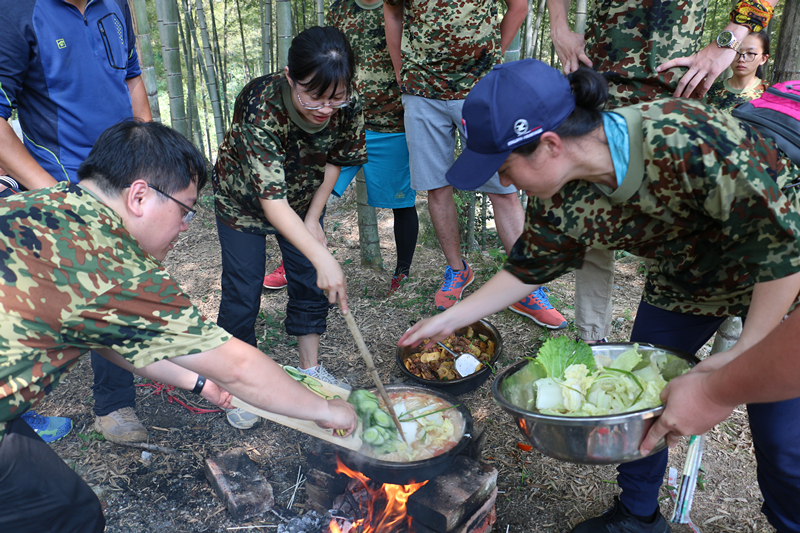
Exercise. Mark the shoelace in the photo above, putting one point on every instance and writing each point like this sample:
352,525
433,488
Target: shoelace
322,374
541,297
449,279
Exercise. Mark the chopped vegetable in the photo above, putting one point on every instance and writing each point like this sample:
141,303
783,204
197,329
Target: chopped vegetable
379,429
566,379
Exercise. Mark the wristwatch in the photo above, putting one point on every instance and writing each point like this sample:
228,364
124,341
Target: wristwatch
726,39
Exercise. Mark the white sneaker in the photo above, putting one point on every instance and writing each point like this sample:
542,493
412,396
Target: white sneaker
241,419
321,374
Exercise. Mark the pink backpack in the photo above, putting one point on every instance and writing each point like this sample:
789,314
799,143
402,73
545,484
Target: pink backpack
777,115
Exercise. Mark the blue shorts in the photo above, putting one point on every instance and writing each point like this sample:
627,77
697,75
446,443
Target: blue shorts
387,173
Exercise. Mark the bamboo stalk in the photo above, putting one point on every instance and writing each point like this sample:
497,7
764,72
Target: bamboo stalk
351,323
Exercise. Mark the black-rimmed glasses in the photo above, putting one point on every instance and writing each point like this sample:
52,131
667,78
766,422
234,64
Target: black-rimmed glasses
315,106
748,57
190,213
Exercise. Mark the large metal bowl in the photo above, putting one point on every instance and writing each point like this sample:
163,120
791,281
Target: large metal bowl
460,385
610,439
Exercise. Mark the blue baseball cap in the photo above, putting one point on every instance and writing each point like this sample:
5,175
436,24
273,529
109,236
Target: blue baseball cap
512,105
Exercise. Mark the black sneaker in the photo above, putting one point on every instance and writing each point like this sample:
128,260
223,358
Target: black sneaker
619,520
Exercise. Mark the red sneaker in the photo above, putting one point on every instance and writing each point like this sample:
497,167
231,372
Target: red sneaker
453,287
537,307
397,282
277,279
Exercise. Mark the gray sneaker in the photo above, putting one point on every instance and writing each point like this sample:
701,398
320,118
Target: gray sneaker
121,426
323,375
241,419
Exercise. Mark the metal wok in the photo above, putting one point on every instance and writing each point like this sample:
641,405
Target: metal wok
398,473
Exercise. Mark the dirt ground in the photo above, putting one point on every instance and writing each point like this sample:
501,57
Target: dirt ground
168,491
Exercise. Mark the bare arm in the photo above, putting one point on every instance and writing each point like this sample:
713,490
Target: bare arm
495,295
15,159
252,376
318,202
570,46
330,277
141,105
512,20
393,26
769,304
698,400
167,372
707,64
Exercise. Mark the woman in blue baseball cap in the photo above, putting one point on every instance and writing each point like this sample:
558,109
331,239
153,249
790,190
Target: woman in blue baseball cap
706,198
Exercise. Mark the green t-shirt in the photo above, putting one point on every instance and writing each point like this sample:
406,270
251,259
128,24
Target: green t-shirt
375,79
447,46
271,152
702,198
724,97
73,280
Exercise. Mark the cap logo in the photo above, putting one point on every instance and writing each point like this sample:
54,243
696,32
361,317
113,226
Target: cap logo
464,124
521,126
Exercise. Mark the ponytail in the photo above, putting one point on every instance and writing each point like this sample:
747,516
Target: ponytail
591,94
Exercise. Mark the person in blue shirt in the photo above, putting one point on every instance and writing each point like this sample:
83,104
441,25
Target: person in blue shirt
70,69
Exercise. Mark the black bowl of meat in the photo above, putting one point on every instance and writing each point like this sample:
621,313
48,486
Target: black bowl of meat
435,366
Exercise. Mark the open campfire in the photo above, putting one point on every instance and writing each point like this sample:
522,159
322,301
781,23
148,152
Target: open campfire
367,507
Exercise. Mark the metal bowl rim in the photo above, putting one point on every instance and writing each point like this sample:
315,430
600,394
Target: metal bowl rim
644,414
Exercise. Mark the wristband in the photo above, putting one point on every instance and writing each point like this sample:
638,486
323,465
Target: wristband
755,14
198,387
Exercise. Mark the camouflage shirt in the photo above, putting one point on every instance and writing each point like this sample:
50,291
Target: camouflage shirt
375,79
724,97
702,197
447,46
630,38
271,152
73,279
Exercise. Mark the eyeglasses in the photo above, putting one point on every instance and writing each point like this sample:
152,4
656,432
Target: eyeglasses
333,105
190,213
747,56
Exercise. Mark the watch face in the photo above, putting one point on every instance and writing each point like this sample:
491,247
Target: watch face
725,38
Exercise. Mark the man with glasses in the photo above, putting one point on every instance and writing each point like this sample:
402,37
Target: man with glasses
89,255
71,70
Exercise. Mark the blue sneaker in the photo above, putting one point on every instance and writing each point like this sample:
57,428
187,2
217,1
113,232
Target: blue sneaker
50,428
453,287
537,307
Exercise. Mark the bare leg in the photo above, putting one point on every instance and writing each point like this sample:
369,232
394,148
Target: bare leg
509,218
443,213
308,346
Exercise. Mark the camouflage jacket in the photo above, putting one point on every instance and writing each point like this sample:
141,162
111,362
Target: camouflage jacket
271,152
73,279
628,39
447,46
724,97
375,79
702,197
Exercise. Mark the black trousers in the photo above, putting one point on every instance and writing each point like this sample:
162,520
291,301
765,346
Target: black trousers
39,493
243,258
113,386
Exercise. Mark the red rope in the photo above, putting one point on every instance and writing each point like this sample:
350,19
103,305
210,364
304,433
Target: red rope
167,389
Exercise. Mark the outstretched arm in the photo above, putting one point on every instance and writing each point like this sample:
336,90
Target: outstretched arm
251,375
698,400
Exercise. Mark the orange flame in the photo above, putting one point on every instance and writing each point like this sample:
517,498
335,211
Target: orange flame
381,519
